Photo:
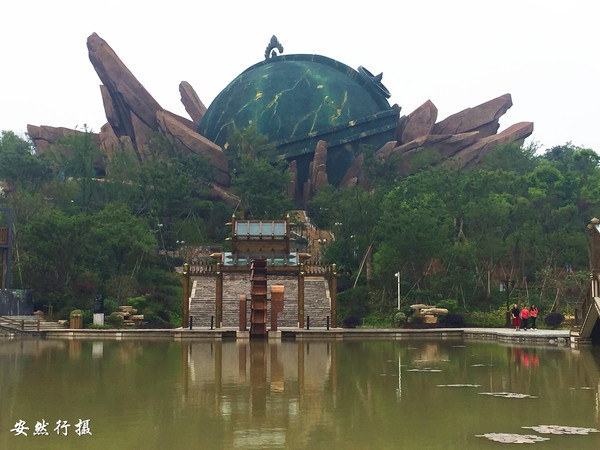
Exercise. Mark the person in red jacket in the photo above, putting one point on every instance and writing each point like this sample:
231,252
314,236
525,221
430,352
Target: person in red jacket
533,313
524,317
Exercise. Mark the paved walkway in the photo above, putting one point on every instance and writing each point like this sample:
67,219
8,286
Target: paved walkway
529,337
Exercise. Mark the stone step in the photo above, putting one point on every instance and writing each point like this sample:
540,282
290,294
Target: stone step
28,323
316,302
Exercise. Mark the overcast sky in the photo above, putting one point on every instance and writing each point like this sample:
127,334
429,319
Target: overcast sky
456,53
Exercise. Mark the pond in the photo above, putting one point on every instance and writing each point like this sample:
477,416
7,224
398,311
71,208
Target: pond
306,394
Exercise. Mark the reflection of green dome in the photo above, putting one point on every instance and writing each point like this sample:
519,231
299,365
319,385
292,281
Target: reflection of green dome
297,100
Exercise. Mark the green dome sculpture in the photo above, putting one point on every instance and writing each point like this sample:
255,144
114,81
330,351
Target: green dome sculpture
297,100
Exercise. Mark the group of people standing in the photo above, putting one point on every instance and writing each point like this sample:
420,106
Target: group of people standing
520,318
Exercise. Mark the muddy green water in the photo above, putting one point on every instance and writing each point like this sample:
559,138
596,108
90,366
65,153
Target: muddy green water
359,394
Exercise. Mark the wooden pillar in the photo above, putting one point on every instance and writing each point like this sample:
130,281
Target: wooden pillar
243,317
277,293
186,296
219,297
301,297
333,292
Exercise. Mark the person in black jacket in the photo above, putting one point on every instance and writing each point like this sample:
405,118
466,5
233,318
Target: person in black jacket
516,317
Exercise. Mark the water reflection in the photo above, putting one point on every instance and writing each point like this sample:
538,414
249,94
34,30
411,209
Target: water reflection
259,393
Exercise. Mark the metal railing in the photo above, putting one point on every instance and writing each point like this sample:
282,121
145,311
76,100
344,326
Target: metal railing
309,268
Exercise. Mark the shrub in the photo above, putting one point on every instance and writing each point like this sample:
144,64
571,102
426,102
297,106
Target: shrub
351,322
139,303
492,319
399,319
374,320
65,312
554,319
449,304
353,302
164,315
98,327
452,320
115,320
88,317
110,306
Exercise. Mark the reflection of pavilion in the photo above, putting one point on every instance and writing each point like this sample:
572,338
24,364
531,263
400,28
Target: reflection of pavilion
214,290
246,381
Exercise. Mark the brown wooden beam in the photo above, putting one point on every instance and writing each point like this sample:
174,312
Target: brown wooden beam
186,296
301,297
333,293
219,297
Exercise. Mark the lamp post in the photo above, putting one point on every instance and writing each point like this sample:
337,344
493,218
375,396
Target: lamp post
398,277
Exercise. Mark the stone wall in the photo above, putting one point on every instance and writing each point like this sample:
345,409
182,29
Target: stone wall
317,300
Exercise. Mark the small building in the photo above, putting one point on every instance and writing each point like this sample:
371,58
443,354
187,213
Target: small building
212,290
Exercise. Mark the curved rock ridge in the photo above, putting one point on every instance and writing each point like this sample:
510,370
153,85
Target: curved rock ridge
133,115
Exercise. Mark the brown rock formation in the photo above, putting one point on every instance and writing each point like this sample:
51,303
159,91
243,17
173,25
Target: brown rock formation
317,172
195,143
383,154
470,155
194,107
482,118
353,175
109,140
47,139
455,143
415,147
134,115
44,136
420,122
112,144
126,92
444,145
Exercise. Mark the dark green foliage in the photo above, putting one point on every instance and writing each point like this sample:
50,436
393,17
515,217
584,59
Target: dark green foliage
248,143
554,319
82,232
19,165
353,302
262,188
110,306
351,322
492,319
88,317
399,319
452,320
450,305
115,320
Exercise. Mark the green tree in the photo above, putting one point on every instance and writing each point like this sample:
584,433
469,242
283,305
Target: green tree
19,165
117,242
262,188
51,251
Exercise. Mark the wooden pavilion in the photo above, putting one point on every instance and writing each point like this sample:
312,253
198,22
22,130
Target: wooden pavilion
215,288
